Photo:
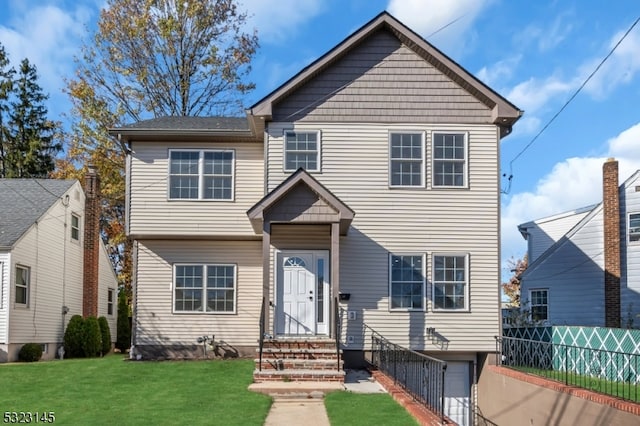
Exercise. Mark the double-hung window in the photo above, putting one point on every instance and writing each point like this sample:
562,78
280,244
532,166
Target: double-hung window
75,227
539,304
449,159
634,227
111,297
450,282
205,288
406,285
201,175
22,285
406,159
301,150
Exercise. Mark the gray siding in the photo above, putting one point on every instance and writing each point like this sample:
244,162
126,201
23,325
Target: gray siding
405,221
544,233
155,322
152,214
107,279
574,275
630,282
382,80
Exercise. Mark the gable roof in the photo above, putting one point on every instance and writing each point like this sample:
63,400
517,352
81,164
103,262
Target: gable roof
23,202
256,213
504,113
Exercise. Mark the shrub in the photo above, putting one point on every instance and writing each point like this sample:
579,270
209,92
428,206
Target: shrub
30,352
92,343
105,334
123,341
74,337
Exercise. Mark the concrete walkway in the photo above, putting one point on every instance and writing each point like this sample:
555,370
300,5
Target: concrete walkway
297,403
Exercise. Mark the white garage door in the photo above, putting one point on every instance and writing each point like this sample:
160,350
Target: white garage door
457,393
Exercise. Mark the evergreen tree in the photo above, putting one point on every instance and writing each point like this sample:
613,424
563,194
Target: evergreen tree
6,87
31,147
123,339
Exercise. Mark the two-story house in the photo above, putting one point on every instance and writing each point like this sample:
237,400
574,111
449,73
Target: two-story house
584,265
364,190
53,264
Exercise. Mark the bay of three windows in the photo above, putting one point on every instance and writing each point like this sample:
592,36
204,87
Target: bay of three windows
407,283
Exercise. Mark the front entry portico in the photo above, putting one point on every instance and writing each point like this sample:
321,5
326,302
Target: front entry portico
305,281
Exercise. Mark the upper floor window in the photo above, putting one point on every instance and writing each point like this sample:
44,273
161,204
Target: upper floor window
634,227
406,287
22,285
205,288
201,175
406,159
302,149
450,282
75,227
539,304
449,159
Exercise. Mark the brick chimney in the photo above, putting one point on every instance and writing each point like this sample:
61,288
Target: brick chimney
90,265
611,212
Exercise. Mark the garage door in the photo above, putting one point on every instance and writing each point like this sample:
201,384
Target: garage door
457,393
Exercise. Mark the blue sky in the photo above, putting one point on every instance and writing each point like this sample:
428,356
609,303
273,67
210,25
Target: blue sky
535,53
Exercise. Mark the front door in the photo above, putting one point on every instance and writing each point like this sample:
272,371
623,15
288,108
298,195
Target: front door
301,292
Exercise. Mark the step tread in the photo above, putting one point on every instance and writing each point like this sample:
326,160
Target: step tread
300,372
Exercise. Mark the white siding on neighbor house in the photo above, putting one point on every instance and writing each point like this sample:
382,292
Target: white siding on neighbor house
5,261
545,232
355,160
107,280
153,215
55,263
574,274
630,282
155,322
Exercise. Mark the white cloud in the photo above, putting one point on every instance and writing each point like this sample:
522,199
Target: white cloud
496,74
573,183
548,37
276,21
619,69
428,16
533,94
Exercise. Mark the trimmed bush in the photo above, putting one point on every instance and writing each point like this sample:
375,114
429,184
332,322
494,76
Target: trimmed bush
92,343
105,334
30,352
74,338
123,341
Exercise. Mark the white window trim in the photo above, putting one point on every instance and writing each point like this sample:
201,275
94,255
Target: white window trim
424,281
75,240
531,304
465,184
204,289
629,229
28,285
201,176
284,149
111,291
423,163
467,263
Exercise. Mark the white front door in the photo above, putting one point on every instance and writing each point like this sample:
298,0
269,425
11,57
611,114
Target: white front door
301,293
457,393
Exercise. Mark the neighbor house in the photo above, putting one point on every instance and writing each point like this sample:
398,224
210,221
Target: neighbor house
362,193
584,265
53,264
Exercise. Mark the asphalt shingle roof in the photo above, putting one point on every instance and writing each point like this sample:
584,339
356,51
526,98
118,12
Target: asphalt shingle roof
23,202
191,123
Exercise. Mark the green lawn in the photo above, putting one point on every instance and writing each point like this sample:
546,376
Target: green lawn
626,391
355,409
113,391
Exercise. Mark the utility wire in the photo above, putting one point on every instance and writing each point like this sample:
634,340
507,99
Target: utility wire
584,83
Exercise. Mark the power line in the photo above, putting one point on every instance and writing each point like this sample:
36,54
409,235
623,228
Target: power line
584,83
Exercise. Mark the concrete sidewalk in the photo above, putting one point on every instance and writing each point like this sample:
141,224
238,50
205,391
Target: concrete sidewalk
297,403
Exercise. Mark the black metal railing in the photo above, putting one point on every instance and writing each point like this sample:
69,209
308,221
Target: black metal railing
608,372
262,333
419,375
336,328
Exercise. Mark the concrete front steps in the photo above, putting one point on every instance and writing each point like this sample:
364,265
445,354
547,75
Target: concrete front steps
299,360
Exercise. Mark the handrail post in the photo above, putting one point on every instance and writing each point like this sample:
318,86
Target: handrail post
336,315
262,331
